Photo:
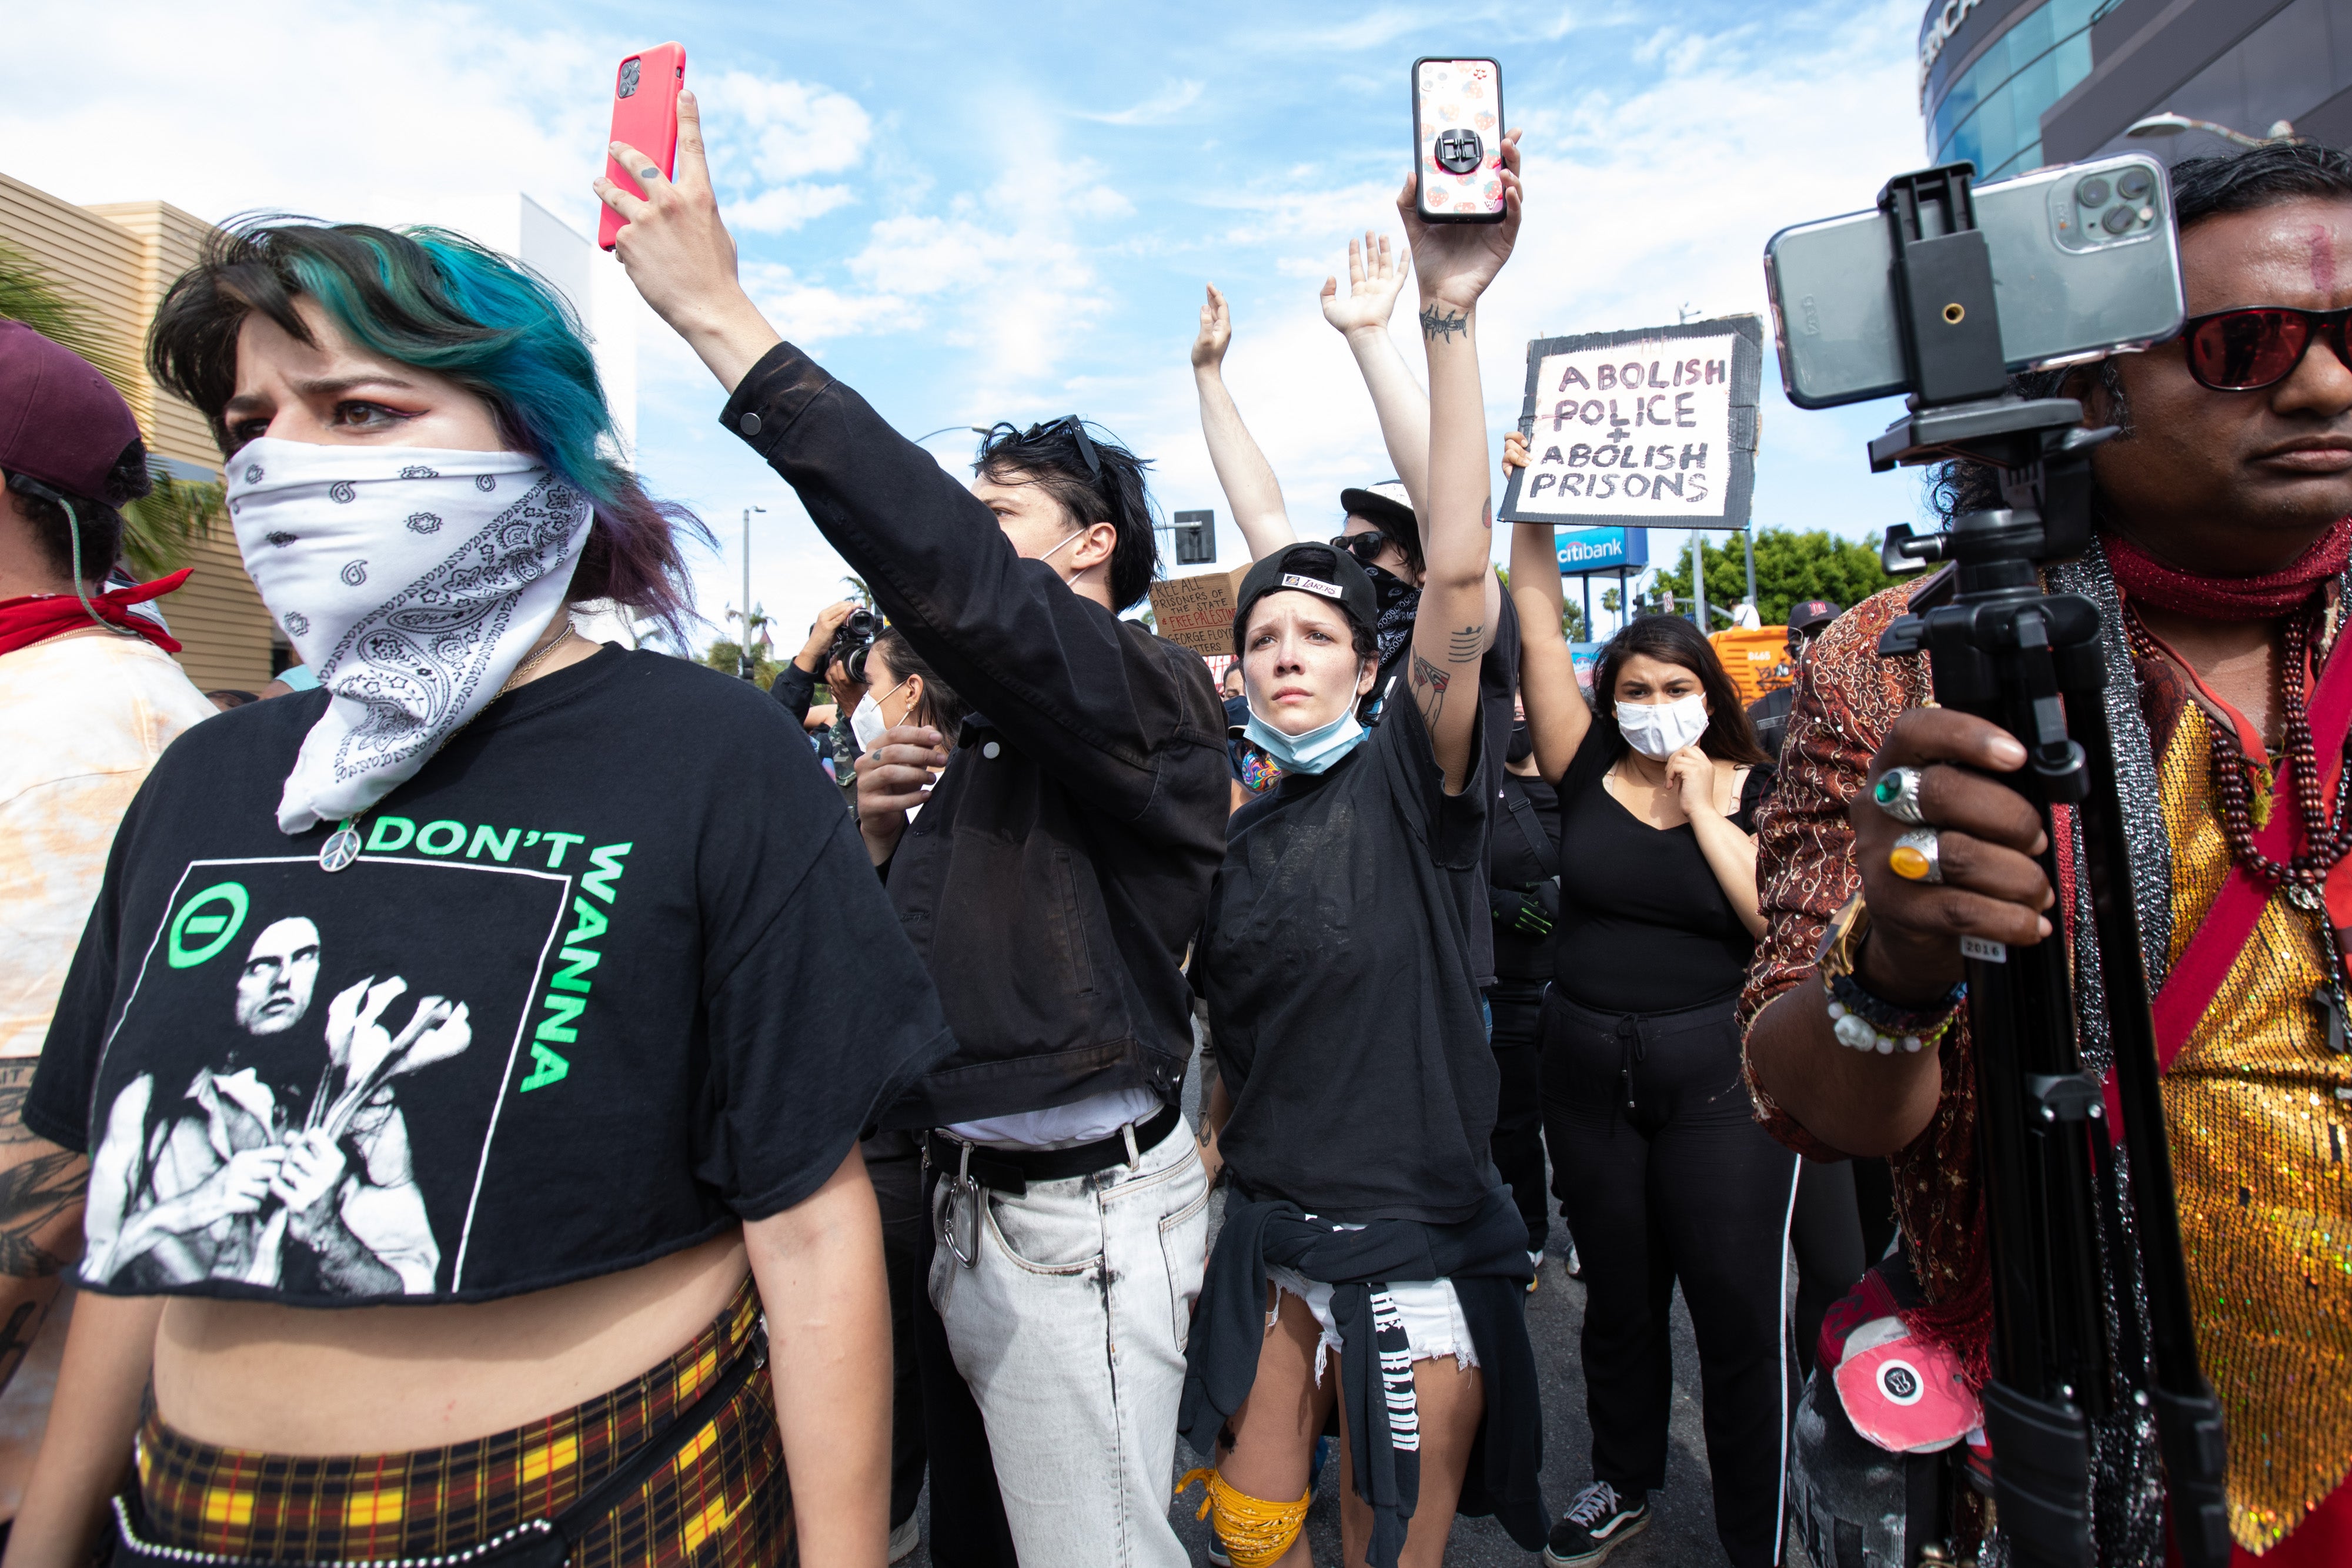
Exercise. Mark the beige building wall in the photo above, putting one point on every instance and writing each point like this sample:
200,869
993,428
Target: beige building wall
117,259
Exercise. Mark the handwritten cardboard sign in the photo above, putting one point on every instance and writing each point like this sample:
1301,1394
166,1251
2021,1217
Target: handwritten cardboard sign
1655,426
1197,611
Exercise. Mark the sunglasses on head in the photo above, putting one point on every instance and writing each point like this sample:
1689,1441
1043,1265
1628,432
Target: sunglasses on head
1365,547
1077,428
2260,346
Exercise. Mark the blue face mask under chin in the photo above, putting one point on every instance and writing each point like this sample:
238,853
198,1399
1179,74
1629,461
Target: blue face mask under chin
1313,752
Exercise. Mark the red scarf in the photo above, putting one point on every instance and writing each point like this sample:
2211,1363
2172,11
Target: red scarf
36,617
2266,598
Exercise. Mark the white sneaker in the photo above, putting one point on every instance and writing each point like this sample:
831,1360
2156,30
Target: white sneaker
906,1537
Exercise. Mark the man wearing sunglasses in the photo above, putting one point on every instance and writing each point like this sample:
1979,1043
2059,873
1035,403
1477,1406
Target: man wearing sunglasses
2224,512
1051,880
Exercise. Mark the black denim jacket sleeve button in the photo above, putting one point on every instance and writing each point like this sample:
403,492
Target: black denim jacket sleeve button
749,424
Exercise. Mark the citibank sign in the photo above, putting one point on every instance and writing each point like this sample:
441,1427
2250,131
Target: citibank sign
1948,20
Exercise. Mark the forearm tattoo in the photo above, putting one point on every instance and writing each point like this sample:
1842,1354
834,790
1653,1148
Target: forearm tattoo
1461,647
1436,322
34,1192
1429,685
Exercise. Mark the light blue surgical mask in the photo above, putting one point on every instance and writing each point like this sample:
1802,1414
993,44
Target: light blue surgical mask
1313,752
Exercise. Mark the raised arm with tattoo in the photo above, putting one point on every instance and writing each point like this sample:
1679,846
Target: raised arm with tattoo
1247,477
1461,600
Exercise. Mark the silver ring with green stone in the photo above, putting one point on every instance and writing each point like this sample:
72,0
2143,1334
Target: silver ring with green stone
1896,793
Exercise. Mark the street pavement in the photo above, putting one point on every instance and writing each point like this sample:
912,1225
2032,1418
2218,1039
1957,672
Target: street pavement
1681,1533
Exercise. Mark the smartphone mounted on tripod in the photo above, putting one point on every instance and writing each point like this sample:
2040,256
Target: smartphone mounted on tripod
2034,663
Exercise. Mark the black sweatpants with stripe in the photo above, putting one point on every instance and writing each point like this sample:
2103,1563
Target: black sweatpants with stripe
1665,1178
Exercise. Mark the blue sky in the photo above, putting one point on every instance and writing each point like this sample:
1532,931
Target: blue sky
978,214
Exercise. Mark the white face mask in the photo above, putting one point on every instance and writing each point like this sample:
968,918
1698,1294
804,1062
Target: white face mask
865,720
1658,730
1071,580
412,582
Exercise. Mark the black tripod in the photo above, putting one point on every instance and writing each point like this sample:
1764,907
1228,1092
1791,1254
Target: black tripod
2032,662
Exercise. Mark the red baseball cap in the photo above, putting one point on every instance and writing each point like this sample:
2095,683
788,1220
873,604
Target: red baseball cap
61,422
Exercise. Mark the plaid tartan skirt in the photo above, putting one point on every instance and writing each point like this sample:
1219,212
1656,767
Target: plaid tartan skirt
722,1503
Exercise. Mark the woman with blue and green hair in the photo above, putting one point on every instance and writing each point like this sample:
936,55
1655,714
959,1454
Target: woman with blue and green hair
453,996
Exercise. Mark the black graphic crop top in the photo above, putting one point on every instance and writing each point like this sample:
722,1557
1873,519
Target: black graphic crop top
611,975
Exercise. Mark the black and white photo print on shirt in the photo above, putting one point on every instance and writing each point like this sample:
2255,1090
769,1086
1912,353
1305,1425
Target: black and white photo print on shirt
267,1132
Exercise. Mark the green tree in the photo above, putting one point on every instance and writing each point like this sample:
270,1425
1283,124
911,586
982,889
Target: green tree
1571,616
1790,567
724,656
159,529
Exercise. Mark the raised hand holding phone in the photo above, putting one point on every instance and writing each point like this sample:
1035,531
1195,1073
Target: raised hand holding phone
680,257
644,115
1457,261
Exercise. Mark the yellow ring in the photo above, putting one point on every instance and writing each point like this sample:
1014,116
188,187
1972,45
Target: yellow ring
1909,863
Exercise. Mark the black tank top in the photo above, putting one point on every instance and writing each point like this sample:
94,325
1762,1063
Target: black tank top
1644,926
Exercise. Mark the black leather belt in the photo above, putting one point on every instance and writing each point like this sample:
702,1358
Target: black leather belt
1011,1170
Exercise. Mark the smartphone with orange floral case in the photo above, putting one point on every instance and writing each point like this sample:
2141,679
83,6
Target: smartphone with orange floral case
1457,140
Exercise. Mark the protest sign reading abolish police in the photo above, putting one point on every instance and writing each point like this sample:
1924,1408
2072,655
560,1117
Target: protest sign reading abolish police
1652,426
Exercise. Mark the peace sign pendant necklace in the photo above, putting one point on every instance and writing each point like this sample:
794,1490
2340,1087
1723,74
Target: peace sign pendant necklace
343,846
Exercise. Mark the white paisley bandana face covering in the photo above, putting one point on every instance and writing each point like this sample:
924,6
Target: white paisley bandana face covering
412,583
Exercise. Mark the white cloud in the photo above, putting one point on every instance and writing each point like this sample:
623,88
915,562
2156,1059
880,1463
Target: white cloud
352,113
794,129
781,208
1162,106
768,137
809,313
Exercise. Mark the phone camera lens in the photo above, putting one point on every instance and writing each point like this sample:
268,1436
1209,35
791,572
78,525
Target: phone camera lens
630,72
2090,192
2134,185
2118,219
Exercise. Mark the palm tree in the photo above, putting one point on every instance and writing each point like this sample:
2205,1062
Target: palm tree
160,528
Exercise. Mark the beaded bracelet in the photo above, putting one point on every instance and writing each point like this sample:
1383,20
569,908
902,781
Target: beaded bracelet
1868,1022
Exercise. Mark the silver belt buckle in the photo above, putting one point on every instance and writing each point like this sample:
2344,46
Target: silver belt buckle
962,1188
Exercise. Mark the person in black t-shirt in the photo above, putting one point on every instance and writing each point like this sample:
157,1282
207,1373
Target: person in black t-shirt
496,979
1371,1253
1659,1164
1383,528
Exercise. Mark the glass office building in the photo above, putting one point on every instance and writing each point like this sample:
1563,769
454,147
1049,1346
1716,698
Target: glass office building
1989,108
2011,85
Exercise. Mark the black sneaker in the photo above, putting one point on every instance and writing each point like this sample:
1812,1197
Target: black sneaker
1596,1523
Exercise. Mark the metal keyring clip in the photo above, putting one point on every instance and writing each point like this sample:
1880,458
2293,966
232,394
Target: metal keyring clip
959,1185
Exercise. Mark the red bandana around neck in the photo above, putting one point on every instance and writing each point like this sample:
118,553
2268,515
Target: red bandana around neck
2143,577
36,617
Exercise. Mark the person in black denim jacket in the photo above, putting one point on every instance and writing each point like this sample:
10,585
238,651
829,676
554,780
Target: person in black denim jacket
1052,881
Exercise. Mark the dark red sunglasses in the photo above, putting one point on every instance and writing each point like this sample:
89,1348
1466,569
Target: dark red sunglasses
2242,351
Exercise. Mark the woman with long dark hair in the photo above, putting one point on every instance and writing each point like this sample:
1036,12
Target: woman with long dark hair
495,982
1662,1173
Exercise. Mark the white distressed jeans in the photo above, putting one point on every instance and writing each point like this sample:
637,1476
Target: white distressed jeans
1069,1326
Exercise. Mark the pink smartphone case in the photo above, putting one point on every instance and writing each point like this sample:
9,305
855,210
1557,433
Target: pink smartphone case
1457,140
644,115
